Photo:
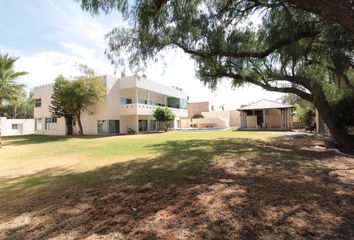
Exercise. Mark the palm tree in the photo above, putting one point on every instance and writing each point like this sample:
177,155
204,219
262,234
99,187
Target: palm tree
9,89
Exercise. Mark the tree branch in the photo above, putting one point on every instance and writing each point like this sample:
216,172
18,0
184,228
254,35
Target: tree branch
258,55
265,86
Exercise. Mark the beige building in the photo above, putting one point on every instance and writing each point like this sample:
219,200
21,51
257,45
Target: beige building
197,108
266,114
128,104
218,119
210,118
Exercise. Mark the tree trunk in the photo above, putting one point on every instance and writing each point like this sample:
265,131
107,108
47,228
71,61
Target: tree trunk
166,126
338,131
69,126
0,135
81,131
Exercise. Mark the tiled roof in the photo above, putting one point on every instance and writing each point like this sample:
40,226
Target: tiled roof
264,104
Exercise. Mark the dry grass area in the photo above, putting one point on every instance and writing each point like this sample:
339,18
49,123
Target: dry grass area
184,186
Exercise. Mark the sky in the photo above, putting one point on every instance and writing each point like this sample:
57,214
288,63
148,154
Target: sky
51,36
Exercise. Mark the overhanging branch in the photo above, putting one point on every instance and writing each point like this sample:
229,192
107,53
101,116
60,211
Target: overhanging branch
258,55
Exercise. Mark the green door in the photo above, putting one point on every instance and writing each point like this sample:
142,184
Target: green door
113,126
101,127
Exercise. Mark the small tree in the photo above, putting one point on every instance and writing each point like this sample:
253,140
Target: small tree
164,115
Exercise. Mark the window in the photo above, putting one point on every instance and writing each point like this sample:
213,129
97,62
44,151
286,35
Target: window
153,125
38,124
38,102
143,101
113,126
183,104
173,102
124,100
101,127
143,125
14,126
50,123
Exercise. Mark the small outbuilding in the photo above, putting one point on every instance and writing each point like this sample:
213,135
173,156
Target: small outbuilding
13,127
266,115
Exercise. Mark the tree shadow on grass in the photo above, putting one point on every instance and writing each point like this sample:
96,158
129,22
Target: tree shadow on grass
31,139
36,139
196,189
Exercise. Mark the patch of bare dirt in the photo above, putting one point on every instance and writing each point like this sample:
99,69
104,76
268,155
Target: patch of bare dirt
289,190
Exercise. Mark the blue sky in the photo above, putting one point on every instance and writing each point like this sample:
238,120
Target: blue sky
50,36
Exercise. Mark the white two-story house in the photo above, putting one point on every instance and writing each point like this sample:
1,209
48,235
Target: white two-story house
128,104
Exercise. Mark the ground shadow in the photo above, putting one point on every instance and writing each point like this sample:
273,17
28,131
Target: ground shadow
196,189
35,139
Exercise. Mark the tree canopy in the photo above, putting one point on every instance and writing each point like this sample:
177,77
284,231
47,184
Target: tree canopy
163,115
73,97
270,44
10,90
20,107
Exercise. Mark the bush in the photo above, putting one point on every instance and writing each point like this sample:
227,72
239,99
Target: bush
196,116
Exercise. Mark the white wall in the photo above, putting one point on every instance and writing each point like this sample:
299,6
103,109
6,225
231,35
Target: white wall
220,118
45,94
110,108
24,126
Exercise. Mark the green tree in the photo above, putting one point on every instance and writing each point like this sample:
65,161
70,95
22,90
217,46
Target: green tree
9,89
61,103
164,115
74,97
289,51
21,107
306,114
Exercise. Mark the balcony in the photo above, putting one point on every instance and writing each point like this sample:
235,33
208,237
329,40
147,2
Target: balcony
146,109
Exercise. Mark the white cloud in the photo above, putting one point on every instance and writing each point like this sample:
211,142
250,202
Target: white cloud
81,39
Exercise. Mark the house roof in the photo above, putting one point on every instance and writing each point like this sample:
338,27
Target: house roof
264,104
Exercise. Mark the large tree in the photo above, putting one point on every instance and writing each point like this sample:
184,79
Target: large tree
289,50
72,98
10,90
339,11
61,103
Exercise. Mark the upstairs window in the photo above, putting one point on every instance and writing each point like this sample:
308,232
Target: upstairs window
124,100
14,126
143,101
37,102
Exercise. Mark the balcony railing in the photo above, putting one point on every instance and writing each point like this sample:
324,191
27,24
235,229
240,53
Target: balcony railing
146,109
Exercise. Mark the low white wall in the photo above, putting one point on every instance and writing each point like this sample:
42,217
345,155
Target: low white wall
24,126
215,122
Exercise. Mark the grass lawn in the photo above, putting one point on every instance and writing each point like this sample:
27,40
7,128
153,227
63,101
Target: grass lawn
190,185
